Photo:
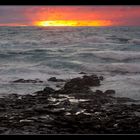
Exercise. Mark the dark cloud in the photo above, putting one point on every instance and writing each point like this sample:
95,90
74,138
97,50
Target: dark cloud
13,14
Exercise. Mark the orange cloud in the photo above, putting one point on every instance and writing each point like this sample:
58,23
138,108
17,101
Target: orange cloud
84,15
70,15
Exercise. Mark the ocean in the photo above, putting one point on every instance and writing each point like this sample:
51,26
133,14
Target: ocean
64,52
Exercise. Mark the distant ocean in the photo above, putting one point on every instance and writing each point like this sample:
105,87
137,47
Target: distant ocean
63,52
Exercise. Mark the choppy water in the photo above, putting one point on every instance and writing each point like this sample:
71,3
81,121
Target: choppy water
35,52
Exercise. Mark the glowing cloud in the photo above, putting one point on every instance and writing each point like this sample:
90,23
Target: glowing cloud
69,15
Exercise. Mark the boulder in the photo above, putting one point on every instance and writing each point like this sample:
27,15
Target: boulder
54,79
27,81
109,92
80,83
92,80
101,78
99,92
48,90
82,73
45,92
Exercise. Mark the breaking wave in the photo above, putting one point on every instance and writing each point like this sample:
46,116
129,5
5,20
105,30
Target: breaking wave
135,41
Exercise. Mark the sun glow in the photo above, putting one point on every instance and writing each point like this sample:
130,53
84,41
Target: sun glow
73,23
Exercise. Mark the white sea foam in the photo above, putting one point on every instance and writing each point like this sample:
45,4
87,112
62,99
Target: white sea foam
125,86
112,67
96,39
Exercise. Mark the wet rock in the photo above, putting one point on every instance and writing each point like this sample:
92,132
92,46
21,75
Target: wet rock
125,99
123,39
82,83
65,103
75,83
58,111
54,79
109,92
47,110
45,92
26,121
3,129
101,78
58,86
92,80
2,109
82,73
115,125
48,90
97,113
27,81
99,92
81,111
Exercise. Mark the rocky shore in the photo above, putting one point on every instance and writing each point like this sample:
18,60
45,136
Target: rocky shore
73,109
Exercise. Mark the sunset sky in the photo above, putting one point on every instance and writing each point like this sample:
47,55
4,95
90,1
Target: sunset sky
69,15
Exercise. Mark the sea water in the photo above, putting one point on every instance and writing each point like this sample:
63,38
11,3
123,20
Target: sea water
63,52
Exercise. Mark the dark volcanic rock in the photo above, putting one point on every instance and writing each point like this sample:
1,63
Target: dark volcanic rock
45,92
109,92
98,92
82,73
125,99
92,80
101,78
54,79
3,130
27,81
48,90
75,83
2,109
80,83
74,109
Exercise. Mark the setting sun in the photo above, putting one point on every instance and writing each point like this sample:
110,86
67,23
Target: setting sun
73,23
